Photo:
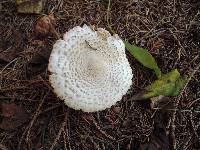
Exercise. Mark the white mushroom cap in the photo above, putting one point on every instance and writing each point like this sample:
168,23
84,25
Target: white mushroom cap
89,69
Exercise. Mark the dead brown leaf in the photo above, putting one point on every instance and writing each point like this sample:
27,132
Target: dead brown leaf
13,116
7,56
46,25
158,140
160,102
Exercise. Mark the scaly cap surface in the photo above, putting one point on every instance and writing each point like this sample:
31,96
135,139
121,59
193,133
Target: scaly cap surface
89,69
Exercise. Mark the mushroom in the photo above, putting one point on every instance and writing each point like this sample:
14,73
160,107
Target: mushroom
89,69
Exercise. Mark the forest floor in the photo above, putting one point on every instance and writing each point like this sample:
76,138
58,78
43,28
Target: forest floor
31,115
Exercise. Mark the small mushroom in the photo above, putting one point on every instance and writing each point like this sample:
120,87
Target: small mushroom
89,69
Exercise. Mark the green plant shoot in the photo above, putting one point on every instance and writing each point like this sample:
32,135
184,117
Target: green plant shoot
169,84
144,57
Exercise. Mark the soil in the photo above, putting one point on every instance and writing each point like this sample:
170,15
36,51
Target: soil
169,29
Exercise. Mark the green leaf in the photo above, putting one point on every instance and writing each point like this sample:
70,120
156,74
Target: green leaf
144,57
169,84
180,83
162,86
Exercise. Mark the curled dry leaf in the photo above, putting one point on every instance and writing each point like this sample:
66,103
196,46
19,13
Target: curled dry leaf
160,102
46,25
13,116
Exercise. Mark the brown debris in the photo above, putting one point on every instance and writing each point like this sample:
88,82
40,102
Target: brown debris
170,28
7,56
13,116
46,25
161,102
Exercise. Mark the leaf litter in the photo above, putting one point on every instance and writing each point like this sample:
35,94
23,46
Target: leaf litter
139,22
13,116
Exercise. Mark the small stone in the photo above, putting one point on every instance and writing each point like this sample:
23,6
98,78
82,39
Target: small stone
30,6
